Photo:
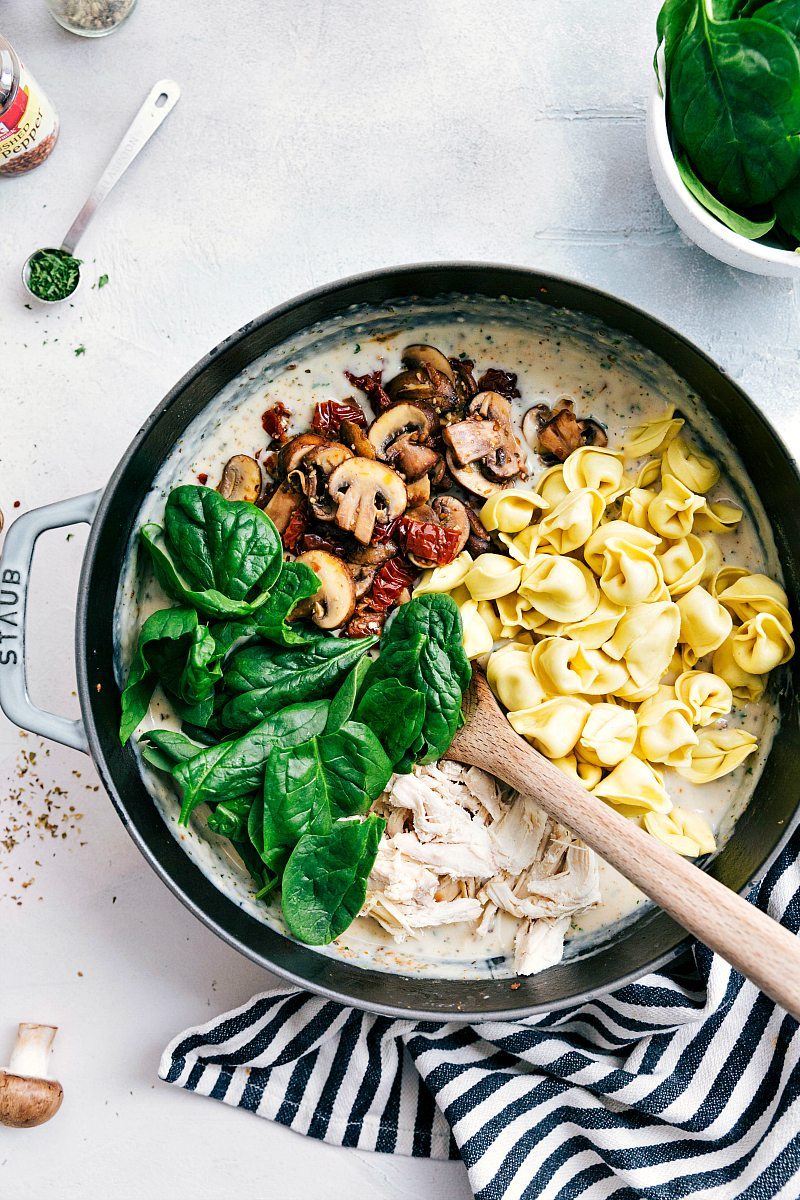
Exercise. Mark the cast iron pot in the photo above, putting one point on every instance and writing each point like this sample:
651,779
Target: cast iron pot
644,945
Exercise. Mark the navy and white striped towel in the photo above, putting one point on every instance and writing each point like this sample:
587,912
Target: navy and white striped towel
681,1085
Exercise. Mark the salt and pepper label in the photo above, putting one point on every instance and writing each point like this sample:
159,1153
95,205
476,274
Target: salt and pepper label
28,128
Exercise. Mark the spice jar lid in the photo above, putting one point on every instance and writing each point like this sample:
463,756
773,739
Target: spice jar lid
9,74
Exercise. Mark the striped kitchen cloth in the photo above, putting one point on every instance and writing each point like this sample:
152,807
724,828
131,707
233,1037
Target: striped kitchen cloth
685,1084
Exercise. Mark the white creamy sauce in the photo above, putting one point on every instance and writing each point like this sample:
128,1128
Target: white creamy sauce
553,353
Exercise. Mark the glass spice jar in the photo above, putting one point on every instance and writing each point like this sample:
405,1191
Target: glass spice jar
28,121
91,18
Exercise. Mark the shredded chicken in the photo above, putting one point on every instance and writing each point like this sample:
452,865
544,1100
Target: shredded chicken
461,847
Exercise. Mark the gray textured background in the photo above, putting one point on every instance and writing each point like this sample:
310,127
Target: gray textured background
312,140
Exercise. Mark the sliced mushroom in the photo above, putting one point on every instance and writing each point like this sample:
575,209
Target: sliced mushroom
312,473
479,541
403,419
425,383
560,435
283,502
473,479
593,433
409,459
471,441
466,386
296,449
353,436
532,423
420,355
335,601
375,555
452,513
419,492
363,577
504,462
366,492
241,479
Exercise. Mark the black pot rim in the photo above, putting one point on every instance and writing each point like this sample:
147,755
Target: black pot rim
397,275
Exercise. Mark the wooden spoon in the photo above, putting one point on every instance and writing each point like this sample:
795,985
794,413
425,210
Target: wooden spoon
747,938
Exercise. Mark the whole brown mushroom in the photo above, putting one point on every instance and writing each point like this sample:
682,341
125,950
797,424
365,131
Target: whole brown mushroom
28,1095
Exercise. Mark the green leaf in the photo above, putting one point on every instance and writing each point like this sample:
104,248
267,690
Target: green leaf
237,767
787,208
344,701
325,880
437,618
229,546
395,714
173,650
295,797
211,602
733,220
673,20
296,582
734,102
356,767
229,818
268,678
165,748
783,13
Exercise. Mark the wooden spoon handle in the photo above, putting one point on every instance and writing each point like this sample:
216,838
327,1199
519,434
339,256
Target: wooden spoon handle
747,938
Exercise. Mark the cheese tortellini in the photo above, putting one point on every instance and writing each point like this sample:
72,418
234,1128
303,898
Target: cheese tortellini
615,632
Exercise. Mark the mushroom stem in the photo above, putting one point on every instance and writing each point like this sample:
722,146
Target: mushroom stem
28,1095
32,1049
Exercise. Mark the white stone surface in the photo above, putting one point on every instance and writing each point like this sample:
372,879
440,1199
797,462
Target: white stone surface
312,140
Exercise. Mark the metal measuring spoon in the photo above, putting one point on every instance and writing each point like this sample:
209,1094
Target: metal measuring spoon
160,102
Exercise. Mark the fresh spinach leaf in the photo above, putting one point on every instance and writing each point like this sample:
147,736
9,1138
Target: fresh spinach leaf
437,618
267,678
783,13
735,221
296,582
673,21
423,650
165,748
176,651
211,602
229,546
344,701
734,103
395,714
229,818
356,768
237,767
325,879
295,796
787,208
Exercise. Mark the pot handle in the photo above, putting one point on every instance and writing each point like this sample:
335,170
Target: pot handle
15,567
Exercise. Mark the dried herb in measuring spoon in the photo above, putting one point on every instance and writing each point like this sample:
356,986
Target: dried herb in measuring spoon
53,274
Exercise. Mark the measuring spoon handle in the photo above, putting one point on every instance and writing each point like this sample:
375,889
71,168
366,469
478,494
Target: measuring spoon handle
162,99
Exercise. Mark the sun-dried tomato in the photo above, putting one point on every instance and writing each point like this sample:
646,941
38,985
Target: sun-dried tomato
296,528
315,541
384,533
435,543
391,579
273,420
202,478
370,385
504,382
329,414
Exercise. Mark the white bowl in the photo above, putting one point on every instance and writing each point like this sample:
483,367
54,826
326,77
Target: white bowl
690,216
